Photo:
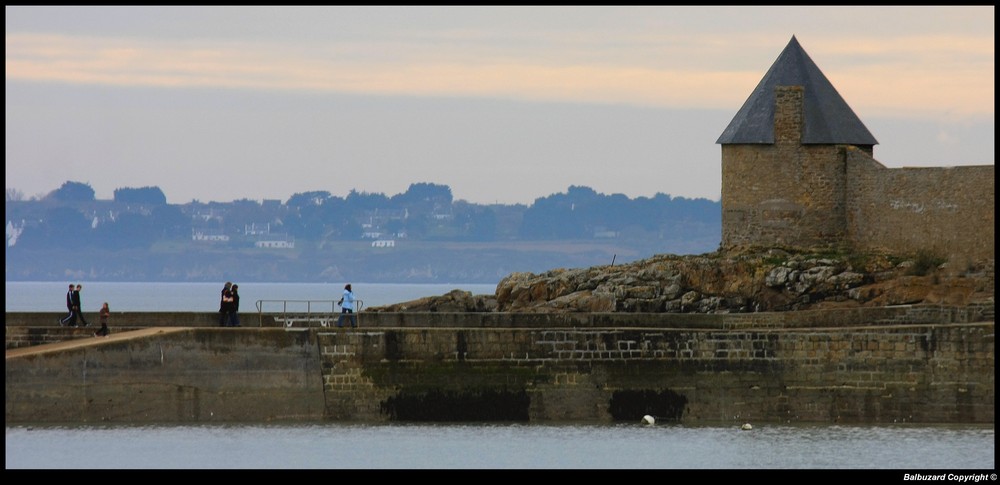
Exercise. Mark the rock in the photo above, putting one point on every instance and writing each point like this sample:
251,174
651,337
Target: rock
745,281
453,301
778,276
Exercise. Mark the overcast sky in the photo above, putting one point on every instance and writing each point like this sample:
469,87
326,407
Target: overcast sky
502,104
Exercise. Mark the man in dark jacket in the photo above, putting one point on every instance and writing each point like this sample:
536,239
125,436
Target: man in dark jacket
70,302
78,305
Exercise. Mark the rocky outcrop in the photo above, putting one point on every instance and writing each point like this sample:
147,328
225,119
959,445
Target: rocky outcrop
453,301
750,281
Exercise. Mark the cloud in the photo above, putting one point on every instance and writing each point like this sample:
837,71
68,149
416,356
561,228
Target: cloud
877,77
501,103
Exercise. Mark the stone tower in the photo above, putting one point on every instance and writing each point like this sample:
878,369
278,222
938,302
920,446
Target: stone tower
783,159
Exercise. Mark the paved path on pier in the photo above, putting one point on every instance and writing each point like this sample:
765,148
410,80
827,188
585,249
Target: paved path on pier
82,342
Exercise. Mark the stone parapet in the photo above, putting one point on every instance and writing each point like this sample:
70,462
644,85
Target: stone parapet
36,328
831,316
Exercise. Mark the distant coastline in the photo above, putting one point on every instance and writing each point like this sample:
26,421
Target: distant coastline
421,236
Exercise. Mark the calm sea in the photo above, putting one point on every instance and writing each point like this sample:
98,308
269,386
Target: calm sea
49,296
896,449
511,446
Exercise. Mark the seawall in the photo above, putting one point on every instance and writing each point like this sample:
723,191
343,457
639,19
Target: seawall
930,364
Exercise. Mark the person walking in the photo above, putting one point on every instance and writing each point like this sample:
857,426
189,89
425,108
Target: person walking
347,308
71,318
78,305
234,309
224,304
105,315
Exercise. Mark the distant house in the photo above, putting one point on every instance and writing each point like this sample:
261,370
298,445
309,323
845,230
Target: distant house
256,229
13,232
208,235
265,239
272,243
442,216
208,214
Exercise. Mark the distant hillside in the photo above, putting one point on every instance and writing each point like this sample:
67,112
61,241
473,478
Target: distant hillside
420,236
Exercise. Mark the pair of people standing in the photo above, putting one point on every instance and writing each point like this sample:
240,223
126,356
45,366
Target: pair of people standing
229,306
73,305
347,308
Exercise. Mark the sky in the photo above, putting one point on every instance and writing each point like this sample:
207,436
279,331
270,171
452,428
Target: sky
503,104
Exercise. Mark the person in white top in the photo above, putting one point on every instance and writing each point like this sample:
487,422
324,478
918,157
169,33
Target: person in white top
347,308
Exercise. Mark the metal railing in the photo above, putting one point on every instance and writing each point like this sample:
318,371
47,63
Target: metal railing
290,312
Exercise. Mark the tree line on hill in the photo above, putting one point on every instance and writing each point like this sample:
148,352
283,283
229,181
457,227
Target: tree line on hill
140,220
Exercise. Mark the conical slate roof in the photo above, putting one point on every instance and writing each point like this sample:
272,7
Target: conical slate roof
827,118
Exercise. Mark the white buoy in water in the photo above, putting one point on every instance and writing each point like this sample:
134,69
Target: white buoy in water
647,419
746,427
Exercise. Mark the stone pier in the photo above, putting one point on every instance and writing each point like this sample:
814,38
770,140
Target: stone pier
886,365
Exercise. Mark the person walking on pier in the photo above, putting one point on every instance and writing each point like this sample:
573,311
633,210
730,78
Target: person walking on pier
347,308
71,318
78,305
105,314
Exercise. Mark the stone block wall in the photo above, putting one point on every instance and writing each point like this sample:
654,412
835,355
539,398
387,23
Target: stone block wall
176,376
778,196
945,210
936,373
931,364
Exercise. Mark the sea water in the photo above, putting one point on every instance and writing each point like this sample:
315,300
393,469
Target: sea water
50,296
910,448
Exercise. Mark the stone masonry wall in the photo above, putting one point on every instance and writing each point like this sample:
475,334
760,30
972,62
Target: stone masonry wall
179,375
923,373
945,210
916,364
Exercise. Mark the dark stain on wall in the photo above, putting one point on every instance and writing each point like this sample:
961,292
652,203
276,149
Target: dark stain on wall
393,346
927,342
461,346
